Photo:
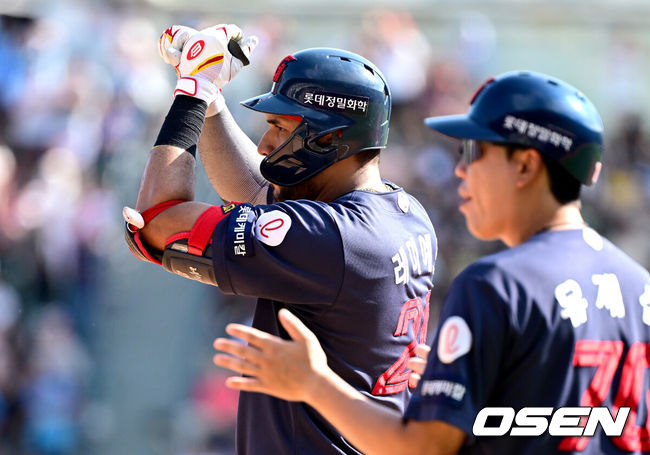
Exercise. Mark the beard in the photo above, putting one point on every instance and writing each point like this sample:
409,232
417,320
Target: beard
304,190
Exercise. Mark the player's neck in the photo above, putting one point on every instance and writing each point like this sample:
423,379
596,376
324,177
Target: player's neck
346,176
368,177
536,218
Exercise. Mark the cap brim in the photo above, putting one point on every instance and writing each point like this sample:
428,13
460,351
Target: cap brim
461,127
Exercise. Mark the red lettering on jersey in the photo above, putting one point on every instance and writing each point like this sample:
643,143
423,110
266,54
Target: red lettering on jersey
425,318
395,379
635,438
606,356
411,311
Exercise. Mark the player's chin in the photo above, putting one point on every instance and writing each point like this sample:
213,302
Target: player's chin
475,227
480,232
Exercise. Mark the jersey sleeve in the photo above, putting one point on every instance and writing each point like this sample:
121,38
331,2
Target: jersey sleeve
290,252
466,353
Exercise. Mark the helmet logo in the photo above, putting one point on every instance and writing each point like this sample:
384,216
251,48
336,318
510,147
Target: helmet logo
196,49
282,66
480,89
349,104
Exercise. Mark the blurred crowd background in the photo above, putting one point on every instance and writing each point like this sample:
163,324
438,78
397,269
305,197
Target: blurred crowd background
103,354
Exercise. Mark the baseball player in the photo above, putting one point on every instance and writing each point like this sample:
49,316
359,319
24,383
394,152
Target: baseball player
560,318
351,254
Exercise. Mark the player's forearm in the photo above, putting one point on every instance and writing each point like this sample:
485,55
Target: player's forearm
231,161
370,427
168,175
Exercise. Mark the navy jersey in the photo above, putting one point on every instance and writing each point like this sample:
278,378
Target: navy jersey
358,272
561,320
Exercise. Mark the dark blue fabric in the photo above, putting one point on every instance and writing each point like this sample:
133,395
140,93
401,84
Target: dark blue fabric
523,348
336,270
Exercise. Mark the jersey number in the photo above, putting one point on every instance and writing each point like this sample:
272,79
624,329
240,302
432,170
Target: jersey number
605,355
395,379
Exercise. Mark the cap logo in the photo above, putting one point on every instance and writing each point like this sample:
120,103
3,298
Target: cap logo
283,64
537,132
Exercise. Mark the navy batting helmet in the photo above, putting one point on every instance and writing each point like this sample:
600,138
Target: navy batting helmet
533,110
332,90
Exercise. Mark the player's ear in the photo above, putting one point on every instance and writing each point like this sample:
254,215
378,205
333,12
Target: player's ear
529,166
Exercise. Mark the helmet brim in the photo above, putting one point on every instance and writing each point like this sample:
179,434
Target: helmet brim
462,127
270,103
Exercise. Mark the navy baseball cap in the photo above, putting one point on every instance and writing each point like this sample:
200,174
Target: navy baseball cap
533,110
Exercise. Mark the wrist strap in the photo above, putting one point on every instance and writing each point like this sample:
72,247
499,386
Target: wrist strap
197,87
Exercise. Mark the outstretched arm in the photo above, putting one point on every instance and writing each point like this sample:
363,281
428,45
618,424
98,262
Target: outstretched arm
297,371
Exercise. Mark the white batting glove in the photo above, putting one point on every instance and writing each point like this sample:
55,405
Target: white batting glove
170,48
171,42
226,40
210,59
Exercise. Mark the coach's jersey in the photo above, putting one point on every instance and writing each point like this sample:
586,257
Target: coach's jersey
358,272
561,320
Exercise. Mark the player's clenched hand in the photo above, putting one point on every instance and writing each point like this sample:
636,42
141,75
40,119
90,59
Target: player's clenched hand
285,369
418,364
173,39
171,42
210,59
209,55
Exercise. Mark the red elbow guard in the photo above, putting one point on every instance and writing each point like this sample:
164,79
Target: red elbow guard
132,233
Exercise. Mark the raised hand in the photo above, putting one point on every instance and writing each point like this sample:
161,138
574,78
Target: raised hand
171,42
205,61
288,370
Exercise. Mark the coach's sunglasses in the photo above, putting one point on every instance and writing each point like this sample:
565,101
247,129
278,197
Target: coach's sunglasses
470,149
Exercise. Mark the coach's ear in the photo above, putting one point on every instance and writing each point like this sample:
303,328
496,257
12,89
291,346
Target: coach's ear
529,166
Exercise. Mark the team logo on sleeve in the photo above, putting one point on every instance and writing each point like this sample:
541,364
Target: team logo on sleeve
455,339
272,227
